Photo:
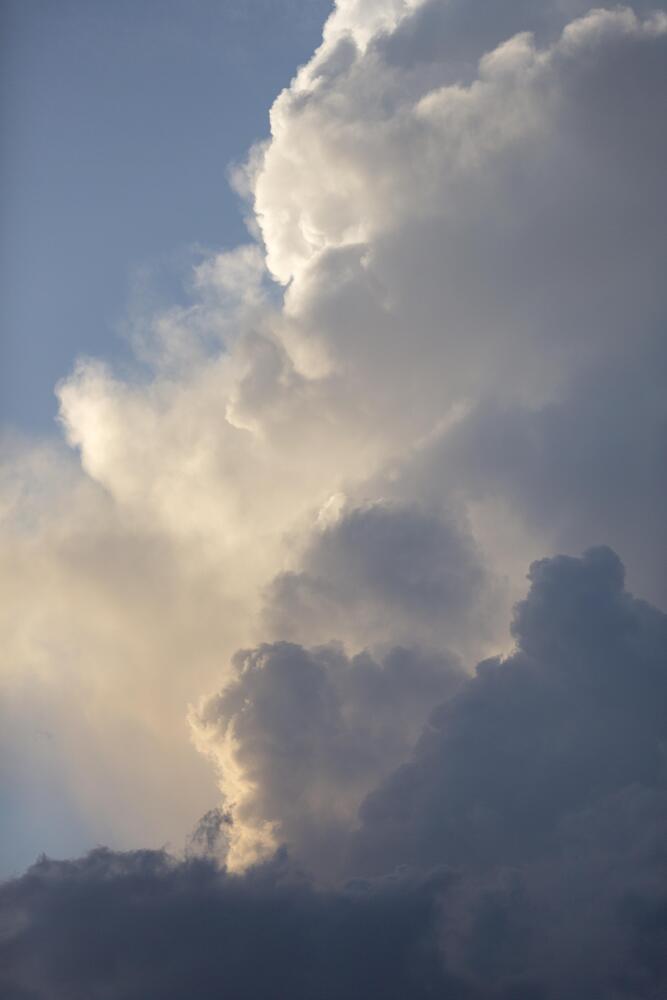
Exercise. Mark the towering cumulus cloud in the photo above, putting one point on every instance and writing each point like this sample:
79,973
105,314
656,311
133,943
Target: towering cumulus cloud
517,852
288,545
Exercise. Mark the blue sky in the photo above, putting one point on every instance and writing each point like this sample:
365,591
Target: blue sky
119,120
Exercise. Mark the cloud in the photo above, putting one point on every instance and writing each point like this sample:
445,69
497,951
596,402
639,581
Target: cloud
587,467
102,651
522,848
444,245
569,718
454,320
162,929
382,572
301,736
488,243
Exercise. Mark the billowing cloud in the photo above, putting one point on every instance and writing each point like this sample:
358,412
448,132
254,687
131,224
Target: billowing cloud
381,572
575,714
525,838
301,737
439,359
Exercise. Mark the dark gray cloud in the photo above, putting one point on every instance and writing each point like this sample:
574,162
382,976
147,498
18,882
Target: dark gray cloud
139,926
587,918
576,713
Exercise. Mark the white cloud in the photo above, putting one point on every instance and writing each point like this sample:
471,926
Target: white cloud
466,252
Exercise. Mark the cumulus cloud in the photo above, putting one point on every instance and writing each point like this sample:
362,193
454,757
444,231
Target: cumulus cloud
440,359
381,572
301,736
487,243
574,714
525,836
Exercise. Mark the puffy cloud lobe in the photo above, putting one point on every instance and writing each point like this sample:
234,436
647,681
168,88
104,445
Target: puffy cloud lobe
450,38
576,713
301,736
383,572
401,156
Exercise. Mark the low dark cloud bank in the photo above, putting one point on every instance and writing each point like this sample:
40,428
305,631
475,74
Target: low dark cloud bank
138,925
520,853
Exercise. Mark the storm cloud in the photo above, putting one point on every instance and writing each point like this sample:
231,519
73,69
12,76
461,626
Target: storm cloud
274,576
518,853
575,713
141,925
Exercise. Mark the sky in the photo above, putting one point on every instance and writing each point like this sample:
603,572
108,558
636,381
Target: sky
119,122
334,657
